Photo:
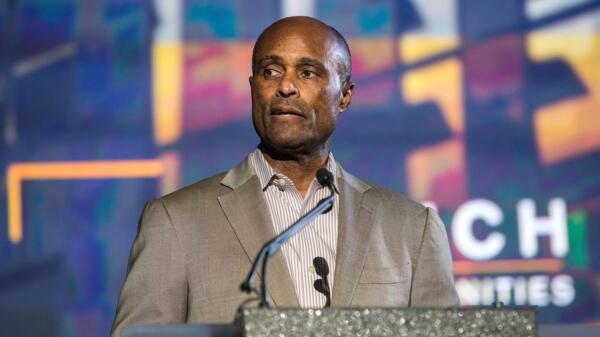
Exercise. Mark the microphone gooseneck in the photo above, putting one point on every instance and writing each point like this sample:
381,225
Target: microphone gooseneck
325,178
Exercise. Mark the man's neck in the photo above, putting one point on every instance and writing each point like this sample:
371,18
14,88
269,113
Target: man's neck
301,169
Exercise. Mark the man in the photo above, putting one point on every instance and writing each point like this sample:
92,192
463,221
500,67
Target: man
196,245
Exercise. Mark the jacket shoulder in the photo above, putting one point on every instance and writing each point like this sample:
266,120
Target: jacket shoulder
384,197
209,188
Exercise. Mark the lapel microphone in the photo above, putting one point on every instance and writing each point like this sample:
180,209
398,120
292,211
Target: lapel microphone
322,284
325,178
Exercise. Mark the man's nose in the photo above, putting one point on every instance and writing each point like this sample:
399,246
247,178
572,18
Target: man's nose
287,87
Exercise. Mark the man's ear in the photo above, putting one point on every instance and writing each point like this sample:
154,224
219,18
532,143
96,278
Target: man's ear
347,91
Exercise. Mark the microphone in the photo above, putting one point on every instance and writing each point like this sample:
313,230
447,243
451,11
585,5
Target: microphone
325,178
322,284
321,266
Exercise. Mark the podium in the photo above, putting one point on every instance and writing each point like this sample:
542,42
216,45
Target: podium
365,322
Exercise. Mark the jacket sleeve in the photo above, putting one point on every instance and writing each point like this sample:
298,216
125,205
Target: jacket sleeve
433,279
155,289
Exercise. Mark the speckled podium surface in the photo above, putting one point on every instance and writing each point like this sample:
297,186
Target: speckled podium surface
503,322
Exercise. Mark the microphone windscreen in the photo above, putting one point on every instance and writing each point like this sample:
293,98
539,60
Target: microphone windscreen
321,266
322,287
324,177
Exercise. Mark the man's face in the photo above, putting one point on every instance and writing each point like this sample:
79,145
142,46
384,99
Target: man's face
296,90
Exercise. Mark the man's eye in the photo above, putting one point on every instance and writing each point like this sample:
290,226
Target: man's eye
270,72
308,74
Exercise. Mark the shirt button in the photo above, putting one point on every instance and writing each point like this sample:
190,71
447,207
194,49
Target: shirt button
280,183
311,269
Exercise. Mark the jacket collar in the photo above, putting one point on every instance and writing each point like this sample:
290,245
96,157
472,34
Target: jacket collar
240,174
248,214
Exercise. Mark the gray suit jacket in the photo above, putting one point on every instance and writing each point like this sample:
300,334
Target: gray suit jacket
195,246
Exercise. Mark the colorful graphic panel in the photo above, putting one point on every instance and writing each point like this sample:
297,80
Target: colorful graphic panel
484,110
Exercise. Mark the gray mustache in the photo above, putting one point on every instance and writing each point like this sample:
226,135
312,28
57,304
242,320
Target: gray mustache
277,101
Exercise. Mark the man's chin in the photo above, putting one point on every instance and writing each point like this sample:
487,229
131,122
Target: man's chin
287,147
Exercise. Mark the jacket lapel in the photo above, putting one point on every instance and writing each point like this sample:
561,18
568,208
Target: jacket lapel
248,214
355,223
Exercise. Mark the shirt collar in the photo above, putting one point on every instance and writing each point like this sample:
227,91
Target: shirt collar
266,175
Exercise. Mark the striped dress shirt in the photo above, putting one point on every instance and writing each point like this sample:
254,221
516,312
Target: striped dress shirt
317,239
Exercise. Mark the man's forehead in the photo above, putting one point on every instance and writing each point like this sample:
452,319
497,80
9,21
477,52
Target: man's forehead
296,59
294,44
295,38
302,25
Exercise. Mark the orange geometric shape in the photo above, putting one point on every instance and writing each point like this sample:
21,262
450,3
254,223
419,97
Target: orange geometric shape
415,47
370,55
171,179
570,127
437,173
167,67
508,266
440,83
16,173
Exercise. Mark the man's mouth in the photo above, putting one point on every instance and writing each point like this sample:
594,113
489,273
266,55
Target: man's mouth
286,111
